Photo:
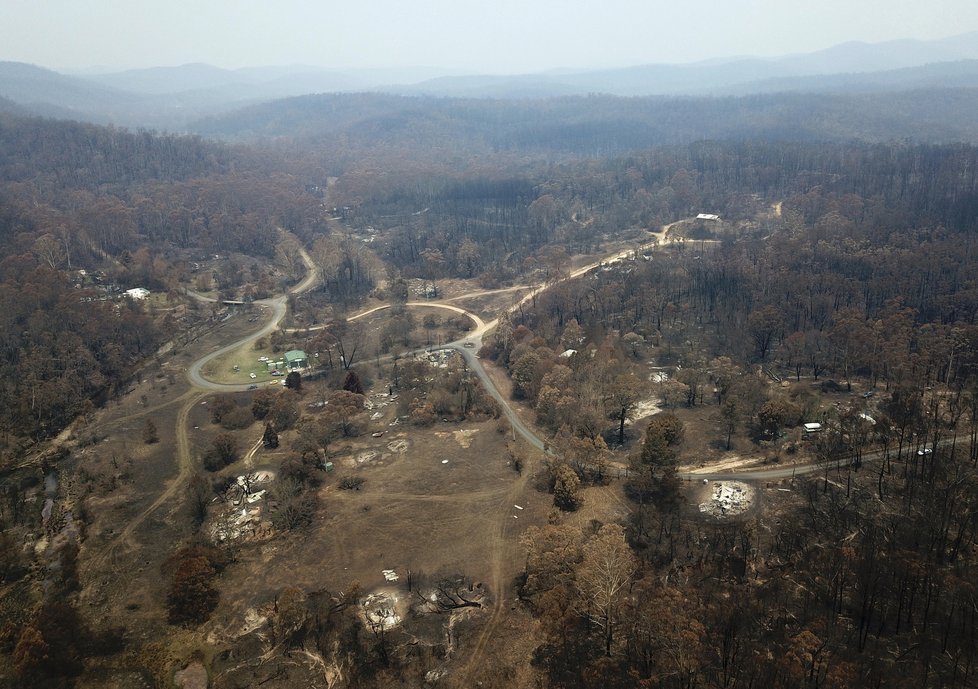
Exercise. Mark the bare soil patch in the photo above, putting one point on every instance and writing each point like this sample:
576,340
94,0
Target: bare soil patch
413,514
732,462
493,304
705,442
462,436
377,338
644,409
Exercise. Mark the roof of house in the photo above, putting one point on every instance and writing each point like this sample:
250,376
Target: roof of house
295,355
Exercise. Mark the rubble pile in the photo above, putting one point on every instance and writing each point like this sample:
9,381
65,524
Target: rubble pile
728,499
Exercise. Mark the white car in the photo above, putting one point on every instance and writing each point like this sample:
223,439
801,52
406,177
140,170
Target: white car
253,375
263,358
925,451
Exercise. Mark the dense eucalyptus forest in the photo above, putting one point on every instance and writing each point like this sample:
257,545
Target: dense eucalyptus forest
834,281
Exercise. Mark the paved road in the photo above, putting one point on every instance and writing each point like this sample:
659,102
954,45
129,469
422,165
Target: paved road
278,310
475,365
468,347
277,306
480,325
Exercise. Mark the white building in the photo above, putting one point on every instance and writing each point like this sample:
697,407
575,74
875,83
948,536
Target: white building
137,293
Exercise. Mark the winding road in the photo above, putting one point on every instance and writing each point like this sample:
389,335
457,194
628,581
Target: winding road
500,541
469,345
200,388
278,308
501,545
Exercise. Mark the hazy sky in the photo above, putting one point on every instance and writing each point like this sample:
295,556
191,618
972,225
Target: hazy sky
485,35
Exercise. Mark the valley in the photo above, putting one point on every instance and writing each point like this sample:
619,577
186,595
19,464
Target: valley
663,376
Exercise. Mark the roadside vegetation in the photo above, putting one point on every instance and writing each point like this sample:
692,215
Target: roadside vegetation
738,451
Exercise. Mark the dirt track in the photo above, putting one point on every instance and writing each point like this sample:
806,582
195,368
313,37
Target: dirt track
465,519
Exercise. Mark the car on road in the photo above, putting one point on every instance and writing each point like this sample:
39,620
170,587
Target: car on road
468,345
252,387
925,451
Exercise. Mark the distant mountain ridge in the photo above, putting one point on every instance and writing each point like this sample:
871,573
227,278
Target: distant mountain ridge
37,88
956,74
170,98
203,77
591,126
734,75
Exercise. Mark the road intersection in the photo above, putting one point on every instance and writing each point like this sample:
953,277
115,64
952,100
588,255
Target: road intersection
468,347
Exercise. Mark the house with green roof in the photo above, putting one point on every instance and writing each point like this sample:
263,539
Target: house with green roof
296,359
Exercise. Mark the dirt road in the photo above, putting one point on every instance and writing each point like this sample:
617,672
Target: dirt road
468,347
201,388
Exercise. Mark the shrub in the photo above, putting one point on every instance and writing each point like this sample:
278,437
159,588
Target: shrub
261,403
421,413
270,437
567,487
223,451
353,383
295,505
303,470
150,434
352,482
220,406
284,411
237,419
191,596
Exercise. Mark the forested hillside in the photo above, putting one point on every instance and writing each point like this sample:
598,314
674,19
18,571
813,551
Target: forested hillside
865,581
79,196
61,353
490,223
107,190
598,126
91,157
75,194
523,506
